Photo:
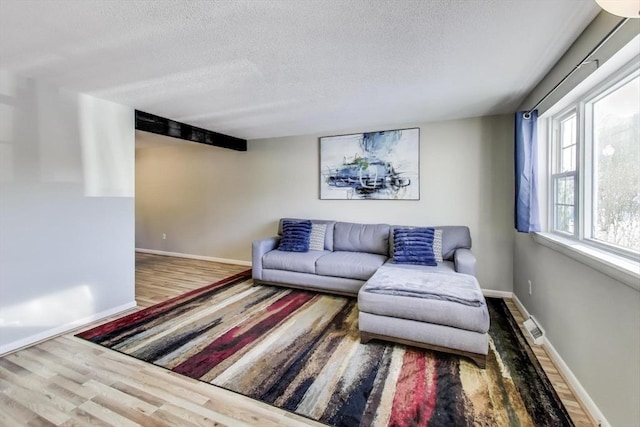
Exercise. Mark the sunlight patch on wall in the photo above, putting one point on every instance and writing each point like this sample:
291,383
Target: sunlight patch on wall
7,91
51,310
107,139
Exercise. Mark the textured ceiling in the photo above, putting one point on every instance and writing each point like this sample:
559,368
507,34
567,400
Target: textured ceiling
255,69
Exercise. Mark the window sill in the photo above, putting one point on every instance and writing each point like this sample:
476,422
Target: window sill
622,269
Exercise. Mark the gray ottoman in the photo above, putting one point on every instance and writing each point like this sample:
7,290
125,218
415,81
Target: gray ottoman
442,311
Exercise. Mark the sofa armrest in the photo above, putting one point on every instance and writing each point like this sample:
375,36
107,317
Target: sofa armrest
258,249
465,261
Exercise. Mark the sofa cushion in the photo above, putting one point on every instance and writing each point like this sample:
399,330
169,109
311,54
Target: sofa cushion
424,332
328,238
413,246
371,238
337,285
303,262
295,236
352,265
429,311
438,311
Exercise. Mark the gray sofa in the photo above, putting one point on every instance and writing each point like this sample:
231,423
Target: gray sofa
358,260
352,254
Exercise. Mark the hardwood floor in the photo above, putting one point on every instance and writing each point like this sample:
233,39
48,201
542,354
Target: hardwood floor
67,381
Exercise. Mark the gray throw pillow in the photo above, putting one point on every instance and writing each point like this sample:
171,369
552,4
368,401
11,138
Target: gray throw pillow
316,239
437,245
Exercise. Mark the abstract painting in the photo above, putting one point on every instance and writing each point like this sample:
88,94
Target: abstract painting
381,165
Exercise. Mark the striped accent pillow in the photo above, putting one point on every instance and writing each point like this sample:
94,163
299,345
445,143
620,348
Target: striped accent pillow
413,246
295,236
437,245
316,239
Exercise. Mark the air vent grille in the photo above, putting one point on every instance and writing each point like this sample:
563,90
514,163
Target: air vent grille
534,330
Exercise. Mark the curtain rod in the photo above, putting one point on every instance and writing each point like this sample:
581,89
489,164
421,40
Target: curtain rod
584,61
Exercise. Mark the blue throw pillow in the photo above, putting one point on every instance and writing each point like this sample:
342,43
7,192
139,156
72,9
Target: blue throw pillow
295,236
414,246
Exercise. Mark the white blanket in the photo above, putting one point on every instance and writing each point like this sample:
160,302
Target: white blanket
438,285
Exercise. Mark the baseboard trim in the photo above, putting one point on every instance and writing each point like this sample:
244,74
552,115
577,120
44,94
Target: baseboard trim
520,307
496,294
59,330
200,257
585,400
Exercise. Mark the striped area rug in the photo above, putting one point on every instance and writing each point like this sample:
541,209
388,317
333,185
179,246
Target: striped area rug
300,351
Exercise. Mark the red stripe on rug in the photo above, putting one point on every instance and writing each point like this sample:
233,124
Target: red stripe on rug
230,342
160,307
414,384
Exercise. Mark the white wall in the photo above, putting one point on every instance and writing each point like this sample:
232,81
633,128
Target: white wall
66,210
215,202
592,320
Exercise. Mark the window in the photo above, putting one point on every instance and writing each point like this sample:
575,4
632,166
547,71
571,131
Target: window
615,209
563,174
594,166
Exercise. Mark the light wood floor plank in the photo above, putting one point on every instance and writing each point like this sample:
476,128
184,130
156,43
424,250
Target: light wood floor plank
53,411
67,381
15,413
79,417
98,411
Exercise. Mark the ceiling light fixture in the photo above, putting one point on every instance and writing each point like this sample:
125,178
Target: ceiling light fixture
625,8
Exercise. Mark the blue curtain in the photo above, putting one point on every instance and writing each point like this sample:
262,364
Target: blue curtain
526,140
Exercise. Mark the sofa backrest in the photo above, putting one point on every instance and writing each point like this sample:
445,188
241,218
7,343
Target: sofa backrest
371,238
328,237
378,238
453,237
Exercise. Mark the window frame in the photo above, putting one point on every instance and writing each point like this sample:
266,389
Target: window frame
599,92
555,164
584,180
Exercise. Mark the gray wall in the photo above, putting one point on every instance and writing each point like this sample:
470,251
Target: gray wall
214,202
593,322
66,210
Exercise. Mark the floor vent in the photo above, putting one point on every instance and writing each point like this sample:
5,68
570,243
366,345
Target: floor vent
534,330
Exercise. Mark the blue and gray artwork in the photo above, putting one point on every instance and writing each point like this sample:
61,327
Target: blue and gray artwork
374,165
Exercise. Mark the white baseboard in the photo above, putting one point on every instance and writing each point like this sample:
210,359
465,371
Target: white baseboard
573,383
41,336
521,308
496,294
200,257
